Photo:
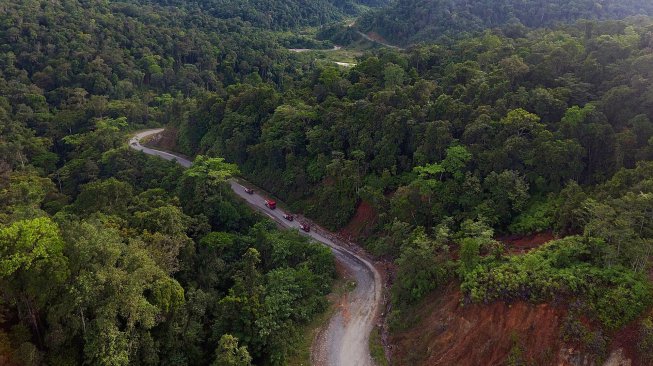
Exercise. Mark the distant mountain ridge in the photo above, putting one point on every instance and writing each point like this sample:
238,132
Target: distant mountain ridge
278,14
409,21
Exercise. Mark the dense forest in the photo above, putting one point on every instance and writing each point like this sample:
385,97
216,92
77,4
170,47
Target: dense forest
278,14
532,131
409,21
109,257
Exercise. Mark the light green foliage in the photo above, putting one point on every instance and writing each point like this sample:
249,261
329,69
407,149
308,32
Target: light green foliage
229,354
474,238
456,160
107,134
393,76
391,243
26,242
537,218
167,295
626,225
457,157
278,285
568,213
211,171
166,219
92,232
476,127
571,267
429,171
203,190
23,196
135,294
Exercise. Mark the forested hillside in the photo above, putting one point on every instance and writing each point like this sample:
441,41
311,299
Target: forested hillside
527,114
277,14
454,144
409,21
108,257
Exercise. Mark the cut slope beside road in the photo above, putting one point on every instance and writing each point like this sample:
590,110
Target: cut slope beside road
345,340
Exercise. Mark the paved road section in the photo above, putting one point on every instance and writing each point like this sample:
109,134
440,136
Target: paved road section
345,340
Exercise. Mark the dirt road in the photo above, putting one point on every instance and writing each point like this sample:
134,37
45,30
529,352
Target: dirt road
345,340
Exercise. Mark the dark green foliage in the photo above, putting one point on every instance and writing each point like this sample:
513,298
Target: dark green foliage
474,128
574,331
645,345
423,266
110,257
117,279
277,14
339,34
408,21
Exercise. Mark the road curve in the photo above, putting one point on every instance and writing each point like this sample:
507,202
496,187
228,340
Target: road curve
345,340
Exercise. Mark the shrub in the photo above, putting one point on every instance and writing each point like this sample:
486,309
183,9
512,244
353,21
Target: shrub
563,268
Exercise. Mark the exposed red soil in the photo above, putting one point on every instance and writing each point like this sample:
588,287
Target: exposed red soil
627,339
362,222
520,243
448,333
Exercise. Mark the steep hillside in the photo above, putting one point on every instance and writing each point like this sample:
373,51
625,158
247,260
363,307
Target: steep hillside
546,132
408,21
444,332
278,14
441,331
108,257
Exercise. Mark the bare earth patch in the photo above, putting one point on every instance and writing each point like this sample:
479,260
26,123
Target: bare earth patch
448,333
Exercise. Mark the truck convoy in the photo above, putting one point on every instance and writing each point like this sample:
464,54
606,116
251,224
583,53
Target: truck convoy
273,205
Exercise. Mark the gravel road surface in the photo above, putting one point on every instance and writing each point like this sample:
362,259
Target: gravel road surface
344,340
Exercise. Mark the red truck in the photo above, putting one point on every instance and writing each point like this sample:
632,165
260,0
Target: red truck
304,226
270,204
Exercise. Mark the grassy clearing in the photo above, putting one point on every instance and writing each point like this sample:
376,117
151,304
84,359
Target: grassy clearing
342,55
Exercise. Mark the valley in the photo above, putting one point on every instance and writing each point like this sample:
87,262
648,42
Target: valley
338,182
344,340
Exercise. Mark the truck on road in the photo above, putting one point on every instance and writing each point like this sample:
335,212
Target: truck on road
270,204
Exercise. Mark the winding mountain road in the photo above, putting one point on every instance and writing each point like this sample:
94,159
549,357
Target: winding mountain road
344,340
